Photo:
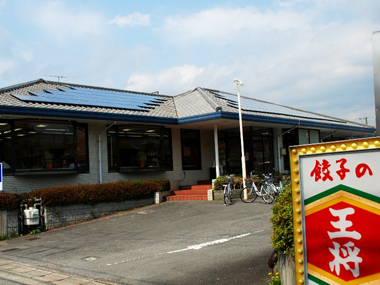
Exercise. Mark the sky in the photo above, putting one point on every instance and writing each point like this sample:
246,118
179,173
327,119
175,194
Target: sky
314,55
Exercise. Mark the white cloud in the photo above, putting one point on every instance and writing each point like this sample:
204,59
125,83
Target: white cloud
135,19
181,78
311,54
62,23
299,57
234,25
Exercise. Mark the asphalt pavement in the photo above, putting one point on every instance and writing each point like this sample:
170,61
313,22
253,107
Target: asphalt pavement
185,242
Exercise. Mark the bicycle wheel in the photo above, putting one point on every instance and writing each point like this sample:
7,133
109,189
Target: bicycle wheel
225,200
271,188
251,195
266,194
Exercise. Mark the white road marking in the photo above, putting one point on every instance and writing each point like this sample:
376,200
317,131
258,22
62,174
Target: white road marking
202,245
195,247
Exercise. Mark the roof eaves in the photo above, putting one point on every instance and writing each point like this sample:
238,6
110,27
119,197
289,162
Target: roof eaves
76,114
273,120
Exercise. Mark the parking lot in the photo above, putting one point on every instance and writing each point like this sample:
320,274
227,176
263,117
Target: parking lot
193,242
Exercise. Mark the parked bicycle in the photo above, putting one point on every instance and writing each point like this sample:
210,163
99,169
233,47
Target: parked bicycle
228,185
250,192
273,188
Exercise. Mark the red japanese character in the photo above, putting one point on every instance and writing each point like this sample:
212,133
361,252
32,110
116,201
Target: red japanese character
361,170
321,169
316,171
342,171
326,171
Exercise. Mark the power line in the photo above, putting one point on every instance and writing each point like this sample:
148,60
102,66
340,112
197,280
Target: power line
365,119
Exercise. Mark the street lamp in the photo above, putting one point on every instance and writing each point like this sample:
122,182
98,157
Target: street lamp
240,83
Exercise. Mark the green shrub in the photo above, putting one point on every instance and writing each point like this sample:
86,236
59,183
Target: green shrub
282,222
275,279
218,183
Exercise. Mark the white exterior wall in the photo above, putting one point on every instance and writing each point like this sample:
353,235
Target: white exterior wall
27,183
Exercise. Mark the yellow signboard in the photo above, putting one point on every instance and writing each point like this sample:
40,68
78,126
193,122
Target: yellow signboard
336,210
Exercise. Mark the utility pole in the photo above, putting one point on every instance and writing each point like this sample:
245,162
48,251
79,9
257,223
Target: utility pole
240,83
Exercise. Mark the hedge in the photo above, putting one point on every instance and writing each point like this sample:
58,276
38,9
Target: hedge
88,193
164,184
8,202
282,222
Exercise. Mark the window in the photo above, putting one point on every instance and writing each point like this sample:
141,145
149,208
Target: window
308,136
35,146
139,148
191,150
298,137
258,148
6,146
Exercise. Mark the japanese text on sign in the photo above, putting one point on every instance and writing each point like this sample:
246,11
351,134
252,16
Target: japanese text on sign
348,250
322,172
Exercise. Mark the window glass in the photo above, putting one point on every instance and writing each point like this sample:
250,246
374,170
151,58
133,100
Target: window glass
166,148
268,161
314,136
258,154
234,155
6,146
43,145
113,157
82,153
131,146
258,148
191,149
303,136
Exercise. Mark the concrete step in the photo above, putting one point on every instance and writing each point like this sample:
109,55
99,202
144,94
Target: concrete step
196,187
190,192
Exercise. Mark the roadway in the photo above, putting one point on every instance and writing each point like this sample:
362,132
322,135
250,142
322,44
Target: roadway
192,242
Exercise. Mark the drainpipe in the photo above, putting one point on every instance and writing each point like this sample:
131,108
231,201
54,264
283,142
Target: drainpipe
100,152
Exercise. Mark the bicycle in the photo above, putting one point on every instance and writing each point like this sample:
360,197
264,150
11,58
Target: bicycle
278,186
273,188
250,192
227,189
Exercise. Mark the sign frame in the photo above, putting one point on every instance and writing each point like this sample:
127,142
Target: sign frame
301,153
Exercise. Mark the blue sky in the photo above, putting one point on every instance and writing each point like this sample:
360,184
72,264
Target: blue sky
314,55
